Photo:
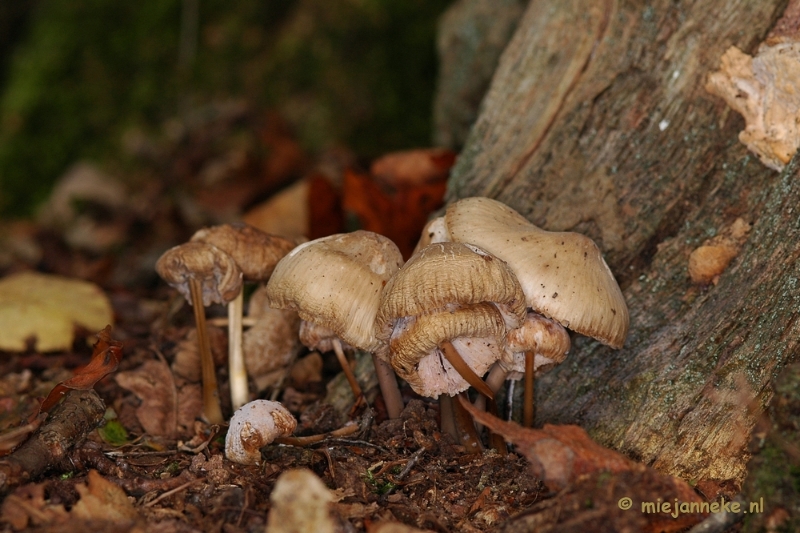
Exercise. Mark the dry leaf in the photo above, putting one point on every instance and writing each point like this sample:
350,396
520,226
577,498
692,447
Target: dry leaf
46,308
152,383
103,501
106,356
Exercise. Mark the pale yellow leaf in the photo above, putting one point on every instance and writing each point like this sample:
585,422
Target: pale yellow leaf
47,308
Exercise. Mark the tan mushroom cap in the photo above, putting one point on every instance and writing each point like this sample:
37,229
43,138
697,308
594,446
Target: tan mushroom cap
434,231
336,281
476,331
545,338
445,274
271,345
218,274
563,274
255,252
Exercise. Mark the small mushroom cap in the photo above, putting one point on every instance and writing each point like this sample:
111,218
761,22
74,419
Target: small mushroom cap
253,426
546,338
563,274
336,281
318,337
434,231
476,331
219,277
255,252
447,274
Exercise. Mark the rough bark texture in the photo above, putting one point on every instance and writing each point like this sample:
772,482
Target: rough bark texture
597,121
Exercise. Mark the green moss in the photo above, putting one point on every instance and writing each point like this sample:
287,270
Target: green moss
359,73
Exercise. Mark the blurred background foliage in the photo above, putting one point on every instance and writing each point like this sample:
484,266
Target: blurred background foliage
76,74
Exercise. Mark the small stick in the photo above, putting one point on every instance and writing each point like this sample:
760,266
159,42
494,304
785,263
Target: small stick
211,408
348,429
173,491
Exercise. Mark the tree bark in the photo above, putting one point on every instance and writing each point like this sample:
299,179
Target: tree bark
597,121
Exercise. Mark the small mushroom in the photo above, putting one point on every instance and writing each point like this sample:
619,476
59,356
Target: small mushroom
335,282
563,274
204,274
256,253
253,426
444,317
271,344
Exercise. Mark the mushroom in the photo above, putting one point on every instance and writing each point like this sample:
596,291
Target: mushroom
563,274
271,344
444,317
434,231
256,253
204,274
253,426
335,282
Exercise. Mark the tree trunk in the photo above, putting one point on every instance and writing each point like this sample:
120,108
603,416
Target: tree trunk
597,121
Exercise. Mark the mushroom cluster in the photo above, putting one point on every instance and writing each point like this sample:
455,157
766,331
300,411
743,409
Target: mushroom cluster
486,296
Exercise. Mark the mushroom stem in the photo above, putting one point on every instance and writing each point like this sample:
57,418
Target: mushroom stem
527,406
447,421
211,409
240,394
389,388
468,435
461,366
348,372
494,380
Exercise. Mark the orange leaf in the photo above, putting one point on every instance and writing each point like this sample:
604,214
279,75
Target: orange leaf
106,356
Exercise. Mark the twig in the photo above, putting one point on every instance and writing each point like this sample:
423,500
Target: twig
407,470
173,491
67,425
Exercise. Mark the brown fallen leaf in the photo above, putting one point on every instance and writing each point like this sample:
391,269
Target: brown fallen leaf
106,355
153,384
599,489
401,191
103,501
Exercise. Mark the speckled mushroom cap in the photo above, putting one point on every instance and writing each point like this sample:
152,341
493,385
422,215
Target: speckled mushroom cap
445,274
434,231
545,338
563,274
219,277
476,331
336,281
255,252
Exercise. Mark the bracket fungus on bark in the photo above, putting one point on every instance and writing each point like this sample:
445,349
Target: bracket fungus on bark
253,426
204,274
764,90
336,282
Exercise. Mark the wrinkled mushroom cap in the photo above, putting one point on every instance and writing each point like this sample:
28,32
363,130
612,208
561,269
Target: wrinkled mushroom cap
563,274
253,426
546,338
255,252
336,282
445,274
219,277
476,331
